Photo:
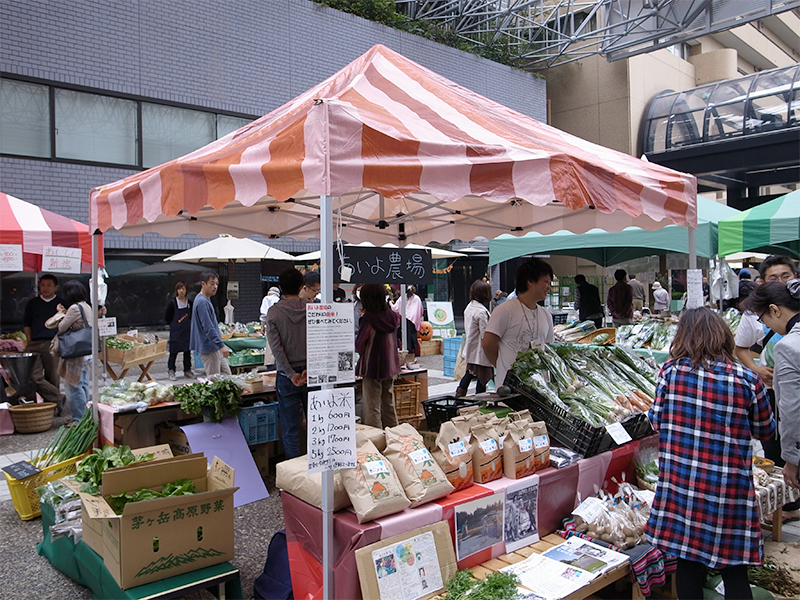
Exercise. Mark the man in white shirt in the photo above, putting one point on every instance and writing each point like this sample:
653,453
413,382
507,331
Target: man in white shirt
517,322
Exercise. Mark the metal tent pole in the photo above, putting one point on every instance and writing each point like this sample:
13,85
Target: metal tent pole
95,346
326,282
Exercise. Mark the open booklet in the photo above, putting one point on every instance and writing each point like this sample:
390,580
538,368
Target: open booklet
564,569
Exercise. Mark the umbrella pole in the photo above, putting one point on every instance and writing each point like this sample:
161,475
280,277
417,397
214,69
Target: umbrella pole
326,283
95,346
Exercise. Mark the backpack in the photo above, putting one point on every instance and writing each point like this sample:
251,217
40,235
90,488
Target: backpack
275,583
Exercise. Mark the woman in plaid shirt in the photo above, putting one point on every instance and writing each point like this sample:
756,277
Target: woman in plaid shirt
707,409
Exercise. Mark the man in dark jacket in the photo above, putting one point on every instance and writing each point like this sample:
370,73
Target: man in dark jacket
620,300
587,301
37,311
286,334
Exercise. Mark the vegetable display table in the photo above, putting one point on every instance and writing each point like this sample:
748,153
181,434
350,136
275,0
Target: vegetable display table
242,343
144,365
558,491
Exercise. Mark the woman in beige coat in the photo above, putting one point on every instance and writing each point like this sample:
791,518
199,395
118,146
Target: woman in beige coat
476,316
74,371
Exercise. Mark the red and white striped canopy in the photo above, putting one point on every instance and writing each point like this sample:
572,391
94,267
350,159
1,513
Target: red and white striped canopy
407,153
33,228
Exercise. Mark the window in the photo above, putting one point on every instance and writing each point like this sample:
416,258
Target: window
169,132
96,128
24,118
226,124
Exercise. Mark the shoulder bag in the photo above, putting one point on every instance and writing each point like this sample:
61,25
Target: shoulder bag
78,342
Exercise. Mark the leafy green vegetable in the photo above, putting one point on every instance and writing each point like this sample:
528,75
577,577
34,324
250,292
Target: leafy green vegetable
182,487
219,399
118,344
91,468
497,586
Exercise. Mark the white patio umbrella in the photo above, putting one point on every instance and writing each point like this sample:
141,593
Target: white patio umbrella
226,247
435,252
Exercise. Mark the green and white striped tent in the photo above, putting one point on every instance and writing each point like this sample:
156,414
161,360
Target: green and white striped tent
772,227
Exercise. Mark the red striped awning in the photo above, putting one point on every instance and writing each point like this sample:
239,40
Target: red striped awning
33,228
408,145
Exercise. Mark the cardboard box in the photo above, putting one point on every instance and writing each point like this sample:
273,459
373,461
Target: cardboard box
445,557
430,347
156,539
168,433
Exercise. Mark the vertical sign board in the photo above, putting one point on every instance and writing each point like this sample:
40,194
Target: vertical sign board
58,259
107,326
442,319
330,343
694,288
10,257
383,265
331,429
330,353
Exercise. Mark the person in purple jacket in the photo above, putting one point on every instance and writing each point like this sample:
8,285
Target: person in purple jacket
378,361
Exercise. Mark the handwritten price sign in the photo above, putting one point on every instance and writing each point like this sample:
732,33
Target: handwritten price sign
10,257
57,259
331,429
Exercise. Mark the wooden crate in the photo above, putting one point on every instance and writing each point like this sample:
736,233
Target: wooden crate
430,347
406,397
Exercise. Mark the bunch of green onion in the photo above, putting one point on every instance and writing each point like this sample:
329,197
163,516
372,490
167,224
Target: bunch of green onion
68,442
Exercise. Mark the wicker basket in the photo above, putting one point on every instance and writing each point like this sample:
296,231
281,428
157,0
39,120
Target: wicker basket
33,418
589,337
644,485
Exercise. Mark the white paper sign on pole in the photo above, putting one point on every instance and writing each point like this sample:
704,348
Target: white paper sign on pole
331,429
107,326
58,259
330,343
694,288
442,319
10,257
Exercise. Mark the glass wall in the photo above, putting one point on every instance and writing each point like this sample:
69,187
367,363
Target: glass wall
761,102
42,121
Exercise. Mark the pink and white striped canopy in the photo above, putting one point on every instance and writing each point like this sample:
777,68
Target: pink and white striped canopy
33,228
407,153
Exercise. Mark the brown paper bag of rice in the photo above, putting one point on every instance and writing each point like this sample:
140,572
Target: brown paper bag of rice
466,422
468,410
518,456
521,415
541,445
373,486
292,476
453,453
420,475
373,434
487,458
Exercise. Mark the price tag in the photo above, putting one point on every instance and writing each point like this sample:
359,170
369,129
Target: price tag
540,441
420,456
488,446
618,433
590,509
645,496
376,466
159,452
457,449
526,445
133,332
21,470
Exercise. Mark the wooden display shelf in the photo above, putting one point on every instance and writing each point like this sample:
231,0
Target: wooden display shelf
144,363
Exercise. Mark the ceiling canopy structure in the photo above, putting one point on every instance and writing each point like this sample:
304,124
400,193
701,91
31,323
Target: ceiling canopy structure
540,34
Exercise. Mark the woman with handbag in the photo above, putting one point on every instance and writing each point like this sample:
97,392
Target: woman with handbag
73,371
378,362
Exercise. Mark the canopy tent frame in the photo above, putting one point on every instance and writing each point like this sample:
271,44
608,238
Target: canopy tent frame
421,132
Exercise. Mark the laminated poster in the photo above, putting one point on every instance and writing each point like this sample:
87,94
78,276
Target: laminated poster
409,569
330,343
522,499
548,579
479,524
442,319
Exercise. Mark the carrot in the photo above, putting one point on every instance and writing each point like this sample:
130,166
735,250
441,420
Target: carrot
637,403
645,398
623,402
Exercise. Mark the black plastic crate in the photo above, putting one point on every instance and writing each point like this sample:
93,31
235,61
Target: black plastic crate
444,408
567,430
559,318
638,426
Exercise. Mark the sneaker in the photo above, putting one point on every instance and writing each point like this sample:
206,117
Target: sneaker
189,374
171,376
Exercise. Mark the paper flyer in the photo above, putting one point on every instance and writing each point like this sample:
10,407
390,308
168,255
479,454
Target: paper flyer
548,579
408,570
586,555
330,343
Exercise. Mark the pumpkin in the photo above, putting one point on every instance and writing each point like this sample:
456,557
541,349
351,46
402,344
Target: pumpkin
425,331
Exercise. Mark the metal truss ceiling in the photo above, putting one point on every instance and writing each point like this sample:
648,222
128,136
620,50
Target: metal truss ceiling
545,33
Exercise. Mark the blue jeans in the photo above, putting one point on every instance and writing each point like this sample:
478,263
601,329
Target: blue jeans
291,410
78,395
